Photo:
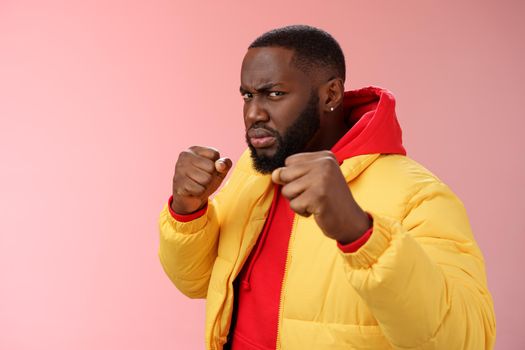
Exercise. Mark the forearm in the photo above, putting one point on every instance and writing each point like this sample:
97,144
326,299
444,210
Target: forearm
187,250
419,293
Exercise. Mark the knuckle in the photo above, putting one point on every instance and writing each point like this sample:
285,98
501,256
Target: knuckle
187,187
177,189
199,190
329,154
207,178
291,159
214,153
327,160
208,166
297,206
286,191
322,196
183,155
283,172
208,152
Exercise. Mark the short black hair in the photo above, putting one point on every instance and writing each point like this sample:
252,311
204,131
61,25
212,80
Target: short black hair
313,48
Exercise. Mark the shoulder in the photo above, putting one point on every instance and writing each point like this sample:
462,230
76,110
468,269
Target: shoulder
401,170
401,182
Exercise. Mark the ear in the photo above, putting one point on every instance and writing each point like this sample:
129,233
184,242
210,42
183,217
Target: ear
331,95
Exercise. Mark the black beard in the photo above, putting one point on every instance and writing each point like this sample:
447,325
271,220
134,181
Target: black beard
295,139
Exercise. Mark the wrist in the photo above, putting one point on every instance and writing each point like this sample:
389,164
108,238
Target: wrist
181,209
186,217
359,225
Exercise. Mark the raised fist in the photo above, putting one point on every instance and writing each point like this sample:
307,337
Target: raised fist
314,185
198,173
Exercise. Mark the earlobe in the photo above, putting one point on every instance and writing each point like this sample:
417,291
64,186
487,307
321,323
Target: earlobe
334,92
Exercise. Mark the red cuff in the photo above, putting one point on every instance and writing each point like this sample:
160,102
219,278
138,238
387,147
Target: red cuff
187,217
358,243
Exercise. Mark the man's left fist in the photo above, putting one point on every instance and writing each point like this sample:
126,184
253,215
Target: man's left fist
314,185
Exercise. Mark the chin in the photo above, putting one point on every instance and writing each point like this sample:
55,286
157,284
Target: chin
264,160
265,152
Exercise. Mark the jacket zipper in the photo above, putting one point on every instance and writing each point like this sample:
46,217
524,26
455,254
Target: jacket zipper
217,321
286,267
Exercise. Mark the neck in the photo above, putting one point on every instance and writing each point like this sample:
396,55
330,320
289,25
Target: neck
332,128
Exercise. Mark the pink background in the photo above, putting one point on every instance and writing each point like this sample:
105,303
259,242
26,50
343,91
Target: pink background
97,98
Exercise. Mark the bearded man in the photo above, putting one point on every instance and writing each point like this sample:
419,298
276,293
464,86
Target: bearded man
326,235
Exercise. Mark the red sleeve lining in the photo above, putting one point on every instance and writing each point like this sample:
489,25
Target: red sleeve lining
187,217
358,243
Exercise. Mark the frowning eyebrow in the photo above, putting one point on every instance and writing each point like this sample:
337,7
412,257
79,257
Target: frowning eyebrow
262,88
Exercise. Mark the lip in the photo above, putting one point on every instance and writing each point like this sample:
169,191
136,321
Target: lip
262,142
261,138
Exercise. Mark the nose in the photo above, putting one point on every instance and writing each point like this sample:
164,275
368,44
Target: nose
255,112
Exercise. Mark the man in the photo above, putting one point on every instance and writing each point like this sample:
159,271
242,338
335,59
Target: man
326,236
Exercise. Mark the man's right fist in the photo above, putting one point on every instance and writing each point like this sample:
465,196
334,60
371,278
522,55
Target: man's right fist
198,173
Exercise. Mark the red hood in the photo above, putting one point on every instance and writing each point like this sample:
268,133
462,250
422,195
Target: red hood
371,111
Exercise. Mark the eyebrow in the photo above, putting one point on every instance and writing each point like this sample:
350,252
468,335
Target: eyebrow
262,88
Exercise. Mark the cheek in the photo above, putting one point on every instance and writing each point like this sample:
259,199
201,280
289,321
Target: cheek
284,116
244,119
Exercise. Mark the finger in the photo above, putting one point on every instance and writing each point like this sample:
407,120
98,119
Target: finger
203,163
190,157
200,176
276,176
307,157
206,152
301,205
223,165
293,172
295,188
190,188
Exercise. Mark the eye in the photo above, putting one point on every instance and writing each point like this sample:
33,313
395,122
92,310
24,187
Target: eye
275,93
247,96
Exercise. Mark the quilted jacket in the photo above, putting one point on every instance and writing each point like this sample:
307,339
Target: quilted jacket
417,283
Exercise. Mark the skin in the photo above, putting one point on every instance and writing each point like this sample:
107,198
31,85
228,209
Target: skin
275,92
199,172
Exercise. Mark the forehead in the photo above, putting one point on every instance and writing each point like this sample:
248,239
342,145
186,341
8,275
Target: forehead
265,65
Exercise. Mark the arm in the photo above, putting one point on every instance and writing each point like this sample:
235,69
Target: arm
188,248
424,278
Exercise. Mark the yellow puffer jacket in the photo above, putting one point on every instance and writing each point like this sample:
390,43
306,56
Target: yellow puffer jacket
418,283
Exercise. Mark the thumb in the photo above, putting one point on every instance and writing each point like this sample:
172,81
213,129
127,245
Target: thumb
276,176
223,165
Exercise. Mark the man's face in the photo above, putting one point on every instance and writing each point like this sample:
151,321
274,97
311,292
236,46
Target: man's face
281,112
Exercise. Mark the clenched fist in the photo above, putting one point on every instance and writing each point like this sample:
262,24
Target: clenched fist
314,185
198,173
